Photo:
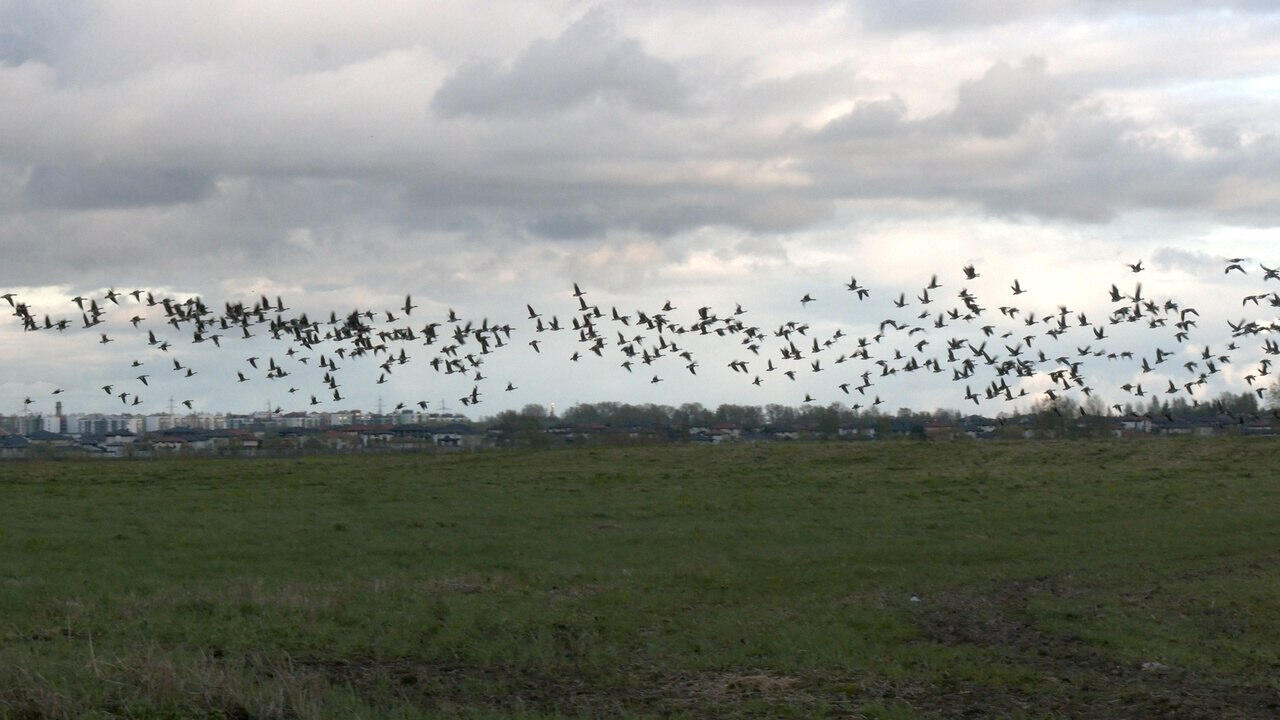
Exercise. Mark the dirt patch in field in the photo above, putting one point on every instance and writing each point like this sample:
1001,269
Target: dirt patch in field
463,688
1088,686
1073,682
1077,679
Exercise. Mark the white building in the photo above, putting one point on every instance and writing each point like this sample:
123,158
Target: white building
159,422
100,424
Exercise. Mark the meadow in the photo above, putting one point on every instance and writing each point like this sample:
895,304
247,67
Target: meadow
1122,579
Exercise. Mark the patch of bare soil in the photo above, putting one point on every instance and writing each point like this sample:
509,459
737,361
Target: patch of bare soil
462,688
1082,681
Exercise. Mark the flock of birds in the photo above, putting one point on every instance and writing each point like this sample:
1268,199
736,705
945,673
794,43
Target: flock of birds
989,351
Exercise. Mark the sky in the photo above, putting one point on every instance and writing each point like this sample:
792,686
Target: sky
705,154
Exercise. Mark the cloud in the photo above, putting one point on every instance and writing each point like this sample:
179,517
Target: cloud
1017,143
1192,263
999,102
905,15
33,30
908,14
589,61
995,105
881,117
90,188
568,226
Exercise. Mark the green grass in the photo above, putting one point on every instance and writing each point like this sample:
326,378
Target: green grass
744,581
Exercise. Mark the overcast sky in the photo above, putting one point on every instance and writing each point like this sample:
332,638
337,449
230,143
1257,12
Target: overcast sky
703,153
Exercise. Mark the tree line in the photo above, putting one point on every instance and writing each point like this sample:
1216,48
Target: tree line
1062,414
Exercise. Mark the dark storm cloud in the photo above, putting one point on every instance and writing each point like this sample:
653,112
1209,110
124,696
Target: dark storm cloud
90,188
590,60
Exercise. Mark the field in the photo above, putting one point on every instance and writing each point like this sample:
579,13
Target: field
1128,579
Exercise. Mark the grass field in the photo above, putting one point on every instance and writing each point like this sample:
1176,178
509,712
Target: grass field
881,580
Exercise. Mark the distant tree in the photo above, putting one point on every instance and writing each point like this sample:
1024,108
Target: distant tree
1093,422
1178,407
1054,417
1095,406
691,415
822,419
742,415
1243,404
780,414
947,415
519,428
